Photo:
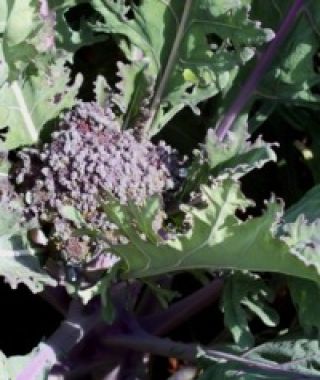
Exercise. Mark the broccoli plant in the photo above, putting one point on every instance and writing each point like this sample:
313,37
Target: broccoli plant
113,188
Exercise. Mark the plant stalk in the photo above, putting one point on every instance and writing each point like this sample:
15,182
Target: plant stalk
171,61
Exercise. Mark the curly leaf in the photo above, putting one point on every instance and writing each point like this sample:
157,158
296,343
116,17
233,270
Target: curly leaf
302,238
235,157
217,239
68,38
192,48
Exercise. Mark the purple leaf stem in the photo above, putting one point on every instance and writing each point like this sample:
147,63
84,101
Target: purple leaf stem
264,61
165,321
191,352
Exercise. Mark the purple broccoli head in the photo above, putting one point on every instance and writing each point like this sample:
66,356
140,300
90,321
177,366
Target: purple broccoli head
88,156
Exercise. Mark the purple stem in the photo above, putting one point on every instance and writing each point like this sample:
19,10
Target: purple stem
181,311
252,82
70,333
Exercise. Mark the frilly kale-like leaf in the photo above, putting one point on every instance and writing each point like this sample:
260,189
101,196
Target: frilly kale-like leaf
18,263
234,157
237,155
192,48
295,353
302,238
217,239
243,292
27,104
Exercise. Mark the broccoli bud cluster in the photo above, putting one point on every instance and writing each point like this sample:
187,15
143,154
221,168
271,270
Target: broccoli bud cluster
88,156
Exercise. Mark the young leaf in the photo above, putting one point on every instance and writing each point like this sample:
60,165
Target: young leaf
134,91
235,157
192,48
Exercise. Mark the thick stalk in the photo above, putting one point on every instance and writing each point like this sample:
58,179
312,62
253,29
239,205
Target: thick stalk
254,79
157,323
71,331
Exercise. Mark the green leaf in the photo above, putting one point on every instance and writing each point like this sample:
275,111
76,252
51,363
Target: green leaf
69,38
236,154
308,205
19,263
217,239
4,165
3,15
302,238
24,43
235,157
305,296
26,105
297,354
177,41
243,292
101,91
293,73
134,92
